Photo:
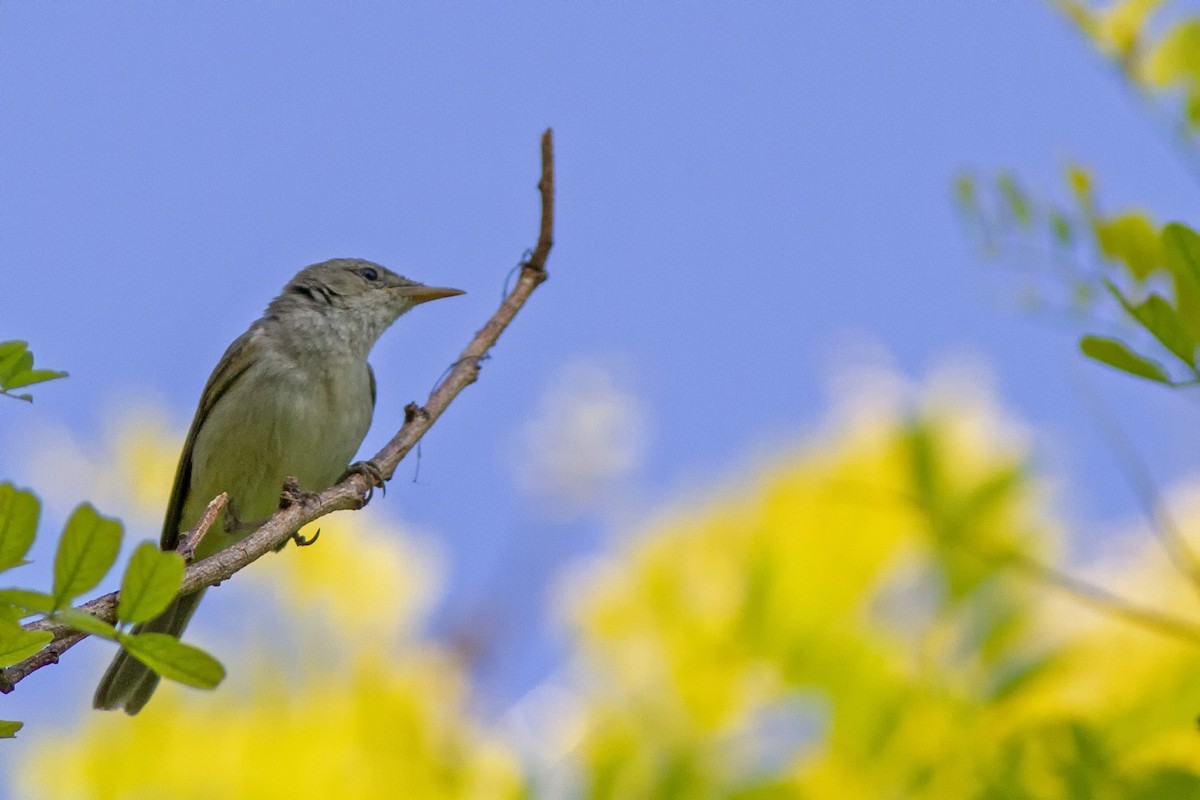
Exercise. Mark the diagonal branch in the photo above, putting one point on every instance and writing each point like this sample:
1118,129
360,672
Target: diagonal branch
354,491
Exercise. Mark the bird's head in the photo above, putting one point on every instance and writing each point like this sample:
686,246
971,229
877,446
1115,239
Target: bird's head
360,298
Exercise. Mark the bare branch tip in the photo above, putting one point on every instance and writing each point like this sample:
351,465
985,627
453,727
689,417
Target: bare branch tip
191,540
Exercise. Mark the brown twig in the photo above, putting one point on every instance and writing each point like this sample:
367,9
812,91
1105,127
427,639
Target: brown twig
105,608
352,492
189,541
65,637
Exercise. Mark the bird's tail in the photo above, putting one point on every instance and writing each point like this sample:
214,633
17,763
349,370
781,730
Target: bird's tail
129,683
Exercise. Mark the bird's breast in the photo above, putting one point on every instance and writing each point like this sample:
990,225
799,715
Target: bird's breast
280,420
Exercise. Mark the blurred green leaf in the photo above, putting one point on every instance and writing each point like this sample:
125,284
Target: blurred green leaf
1114,353
1176,57
1020,674
1083,294
993,491
88,623
1181,247
86,552
924,467
19,512
1016,203
18,644
1158,317
1167,783
173,659
965,193
1132,239
8,728
1080,181
1060,228
151,582
29,601
1192,107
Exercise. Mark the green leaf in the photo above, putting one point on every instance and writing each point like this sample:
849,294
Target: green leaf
8,729
22,362
151,582
16,369
1115,354
18,644
88,623
18,523
87,551
29,601
12,346
32,376
14,355
173,659
1158,317
1132,239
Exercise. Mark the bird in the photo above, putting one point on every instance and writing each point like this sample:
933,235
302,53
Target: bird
292,397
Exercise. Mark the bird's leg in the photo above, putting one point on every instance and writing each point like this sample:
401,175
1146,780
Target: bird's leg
371,471
293,495
234,525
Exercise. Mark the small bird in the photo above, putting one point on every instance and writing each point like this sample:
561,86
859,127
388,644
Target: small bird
292,397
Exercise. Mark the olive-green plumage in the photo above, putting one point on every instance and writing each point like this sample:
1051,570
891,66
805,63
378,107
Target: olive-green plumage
291,397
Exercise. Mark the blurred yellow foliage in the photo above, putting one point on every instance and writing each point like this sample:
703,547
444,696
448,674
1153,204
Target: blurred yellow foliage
1176,59
390,726
846,627
1154,61
360,708
145,458
1116,28
363,578
852,621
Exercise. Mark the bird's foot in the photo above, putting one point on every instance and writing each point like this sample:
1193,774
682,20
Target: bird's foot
293,495
374,475
301,541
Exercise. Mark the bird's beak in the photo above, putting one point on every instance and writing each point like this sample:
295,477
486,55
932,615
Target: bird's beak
423,294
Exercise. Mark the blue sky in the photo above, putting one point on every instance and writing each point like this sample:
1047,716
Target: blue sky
745,192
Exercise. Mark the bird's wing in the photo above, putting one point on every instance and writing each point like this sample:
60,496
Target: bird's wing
371,375
237,359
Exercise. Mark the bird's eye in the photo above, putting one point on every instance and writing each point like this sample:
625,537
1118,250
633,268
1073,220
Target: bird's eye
370,273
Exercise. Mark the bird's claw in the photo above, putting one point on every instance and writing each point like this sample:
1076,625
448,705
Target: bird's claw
301,541
374,475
